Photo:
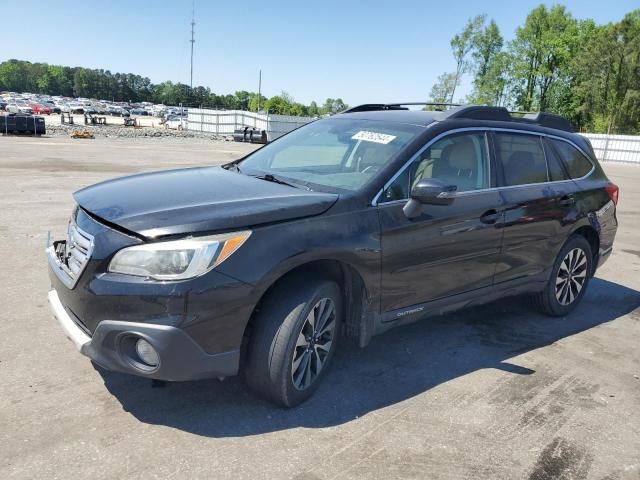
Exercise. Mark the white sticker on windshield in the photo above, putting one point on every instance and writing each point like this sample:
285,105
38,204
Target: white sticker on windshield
373,137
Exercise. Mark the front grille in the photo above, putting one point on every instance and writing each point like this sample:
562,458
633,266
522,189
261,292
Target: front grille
78,250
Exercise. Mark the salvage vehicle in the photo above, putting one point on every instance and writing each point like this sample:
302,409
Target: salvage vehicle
139,111
40,109
53,108
73,107
343,228
176,122
19,106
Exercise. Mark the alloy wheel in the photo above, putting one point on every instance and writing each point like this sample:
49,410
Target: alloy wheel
572,276
313,343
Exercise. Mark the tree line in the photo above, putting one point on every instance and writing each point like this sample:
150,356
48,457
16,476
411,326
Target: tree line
42,78
586,72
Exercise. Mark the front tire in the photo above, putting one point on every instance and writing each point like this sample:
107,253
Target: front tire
569,278
294,339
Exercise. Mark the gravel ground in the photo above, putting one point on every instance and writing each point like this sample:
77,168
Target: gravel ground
117,131
149,127
495,392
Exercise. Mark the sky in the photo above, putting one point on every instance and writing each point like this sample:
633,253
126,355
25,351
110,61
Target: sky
361,51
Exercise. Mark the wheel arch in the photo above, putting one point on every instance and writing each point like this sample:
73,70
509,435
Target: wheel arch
349,279
592,236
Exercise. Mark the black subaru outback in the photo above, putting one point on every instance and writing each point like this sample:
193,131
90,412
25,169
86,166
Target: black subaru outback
346,227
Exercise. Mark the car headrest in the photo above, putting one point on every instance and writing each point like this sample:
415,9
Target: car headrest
374,155
461,155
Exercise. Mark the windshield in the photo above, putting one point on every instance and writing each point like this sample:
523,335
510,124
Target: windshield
338,153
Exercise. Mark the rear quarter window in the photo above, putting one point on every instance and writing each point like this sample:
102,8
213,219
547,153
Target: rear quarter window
577,164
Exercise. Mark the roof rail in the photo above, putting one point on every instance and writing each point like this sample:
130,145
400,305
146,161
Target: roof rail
550,120
371,107
476,112
483,112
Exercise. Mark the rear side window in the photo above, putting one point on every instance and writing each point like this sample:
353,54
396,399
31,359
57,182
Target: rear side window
522,158
577,164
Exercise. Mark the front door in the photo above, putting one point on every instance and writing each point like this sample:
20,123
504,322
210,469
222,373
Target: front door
446,249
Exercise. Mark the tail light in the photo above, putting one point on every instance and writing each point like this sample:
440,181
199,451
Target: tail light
613,191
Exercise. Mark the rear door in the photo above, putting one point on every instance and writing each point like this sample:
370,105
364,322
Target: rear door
539,201
447,249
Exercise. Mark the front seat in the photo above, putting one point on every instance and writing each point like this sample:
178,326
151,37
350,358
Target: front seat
457,165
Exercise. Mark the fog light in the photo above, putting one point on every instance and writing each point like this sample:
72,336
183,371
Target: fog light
147,353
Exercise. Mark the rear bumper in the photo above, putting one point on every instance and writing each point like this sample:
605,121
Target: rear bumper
110,346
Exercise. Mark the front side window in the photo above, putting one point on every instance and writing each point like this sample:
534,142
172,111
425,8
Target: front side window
577,164
460,159
522,158
334,154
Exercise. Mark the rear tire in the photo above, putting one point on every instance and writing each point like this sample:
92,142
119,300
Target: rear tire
569,278
294,339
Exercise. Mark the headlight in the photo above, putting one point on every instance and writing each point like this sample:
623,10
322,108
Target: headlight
177,260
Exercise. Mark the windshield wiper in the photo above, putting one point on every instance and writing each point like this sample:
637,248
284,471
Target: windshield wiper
232,166
270,178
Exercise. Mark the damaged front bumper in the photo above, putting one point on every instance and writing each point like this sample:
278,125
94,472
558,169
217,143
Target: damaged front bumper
112,347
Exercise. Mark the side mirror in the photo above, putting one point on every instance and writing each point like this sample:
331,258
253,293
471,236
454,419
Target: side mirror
429,191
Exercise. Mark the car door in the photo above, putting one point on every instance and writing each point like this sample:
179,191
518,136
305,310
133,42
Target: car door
446,249
538,206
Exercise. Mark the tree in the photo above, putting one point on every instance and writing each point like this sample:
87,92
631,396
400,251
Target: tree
242,99
257,102
332,106
314,111
21,76
541,52
461,45
279,104
489,65
442,90
605,76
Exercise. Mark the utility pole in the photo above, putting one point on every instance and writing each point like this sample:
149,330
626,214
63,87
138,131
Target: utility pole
259,86
193,24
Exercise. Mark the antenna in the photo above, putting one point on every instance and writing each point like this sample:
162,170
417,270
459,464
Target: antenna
193,24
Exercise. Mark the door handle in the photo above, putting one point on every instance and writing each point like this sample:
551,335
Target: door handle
490,216
567,200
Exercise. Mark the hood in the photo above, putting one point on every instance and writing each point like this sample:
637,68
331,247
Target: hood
193,200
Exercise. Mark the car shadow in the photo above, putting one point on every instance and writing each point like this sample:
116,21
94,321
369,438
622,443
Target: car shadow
396,366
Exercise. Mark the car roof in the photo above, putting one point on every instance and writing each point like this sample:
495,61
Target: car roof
413,117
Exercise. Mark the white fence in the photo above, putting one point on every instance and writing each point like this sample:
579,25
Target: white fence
224,122
615,148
